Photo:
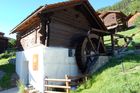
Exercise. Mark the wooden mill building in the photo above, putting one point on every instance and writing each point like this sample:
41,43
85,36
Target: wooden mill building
114,20
3,42
47,40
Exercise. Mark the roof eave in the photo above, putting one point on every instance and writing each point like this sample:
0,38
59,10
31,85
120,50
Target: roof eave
26,19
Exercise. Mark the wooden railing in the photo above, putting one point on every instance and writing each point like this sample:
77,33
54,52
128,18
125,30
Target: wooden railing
66,86
69,81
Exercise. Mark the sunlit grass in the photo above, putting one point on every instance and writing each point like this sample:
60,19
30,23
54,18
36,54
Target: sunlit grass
112,78
128,33
9,69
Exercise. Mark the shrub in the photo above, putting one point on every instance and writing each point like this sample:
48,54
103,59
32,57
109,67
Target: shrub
7,54
11,43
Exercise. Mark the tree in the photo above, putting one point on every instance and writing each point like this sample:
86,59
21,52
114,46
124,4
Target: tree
11,43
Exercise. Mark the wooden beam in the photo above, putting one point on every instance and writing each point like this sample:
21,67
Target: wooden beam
67,84
53,92
112,43
58,80
57,86
100,31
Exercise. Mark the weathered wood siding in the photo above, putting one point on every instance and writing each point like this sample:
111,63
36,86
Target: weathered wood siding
121,19
67,27
110,19
29,38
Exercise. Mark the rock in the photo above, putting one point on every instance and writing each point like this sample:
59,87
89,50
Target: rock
1,74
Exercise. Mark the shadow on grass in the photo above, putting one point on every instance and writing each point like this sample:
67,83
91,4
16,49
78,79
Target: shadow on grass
114,61
131,27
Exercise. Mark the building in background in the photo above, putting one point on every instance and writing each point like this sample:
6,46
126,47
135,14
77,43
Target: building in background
3,42
114,20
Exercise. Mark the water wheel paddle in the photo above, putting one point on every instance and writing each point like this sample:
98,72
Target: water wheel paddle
87,52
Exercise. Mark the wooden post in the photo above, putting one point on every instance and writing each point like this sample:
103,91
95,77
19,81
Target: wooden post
67,84
112,43
86,78
46,83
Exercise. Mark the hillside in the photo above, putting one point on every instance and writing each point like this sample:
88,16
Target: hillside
7,66
126,6
7,69
118,76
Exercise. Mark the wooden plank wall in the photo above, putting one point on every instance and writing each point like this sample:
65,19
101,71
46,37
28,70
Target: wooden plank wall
121,19
29,38
67,27
110,19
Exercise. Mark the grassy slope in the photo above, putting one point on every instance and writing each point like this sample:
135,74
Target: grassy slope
124,6
136,38
9,69
112,79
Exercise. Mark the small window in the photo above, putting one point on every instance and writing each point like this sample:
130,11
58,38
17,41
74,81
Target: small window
70,53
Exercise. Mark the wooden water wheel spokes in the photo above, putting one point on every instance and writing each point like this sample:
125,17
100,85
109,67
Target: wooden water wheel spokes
88,52
94,46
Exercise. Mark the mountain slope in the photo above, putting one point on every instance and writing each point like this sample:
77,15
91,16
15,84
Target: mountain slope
126,6
115,77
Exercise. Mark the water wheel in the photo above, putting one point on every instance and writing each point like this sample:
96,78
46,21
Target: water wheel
88,51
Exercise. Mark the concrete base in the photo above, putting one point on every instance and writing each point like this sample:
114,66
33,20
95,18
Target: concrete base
34,64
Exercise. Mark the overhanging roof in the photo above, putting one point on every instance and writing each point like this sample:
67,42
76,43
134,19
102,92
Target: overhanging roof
33,17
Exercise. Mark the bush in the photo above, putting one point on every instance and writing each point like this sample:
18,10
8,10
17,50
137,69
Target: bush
7,54
11,43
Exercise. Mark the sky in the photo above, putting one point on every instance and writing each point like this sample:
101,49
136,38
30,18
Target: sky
12,12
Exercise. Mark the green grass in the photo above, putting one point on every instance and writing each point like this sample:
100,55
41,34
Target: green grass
111,78
136,38
4,57
135,41
9,69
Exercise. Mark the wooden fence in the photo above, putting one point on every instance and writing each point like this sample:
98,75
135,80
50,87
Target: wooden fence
68,83
66,87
